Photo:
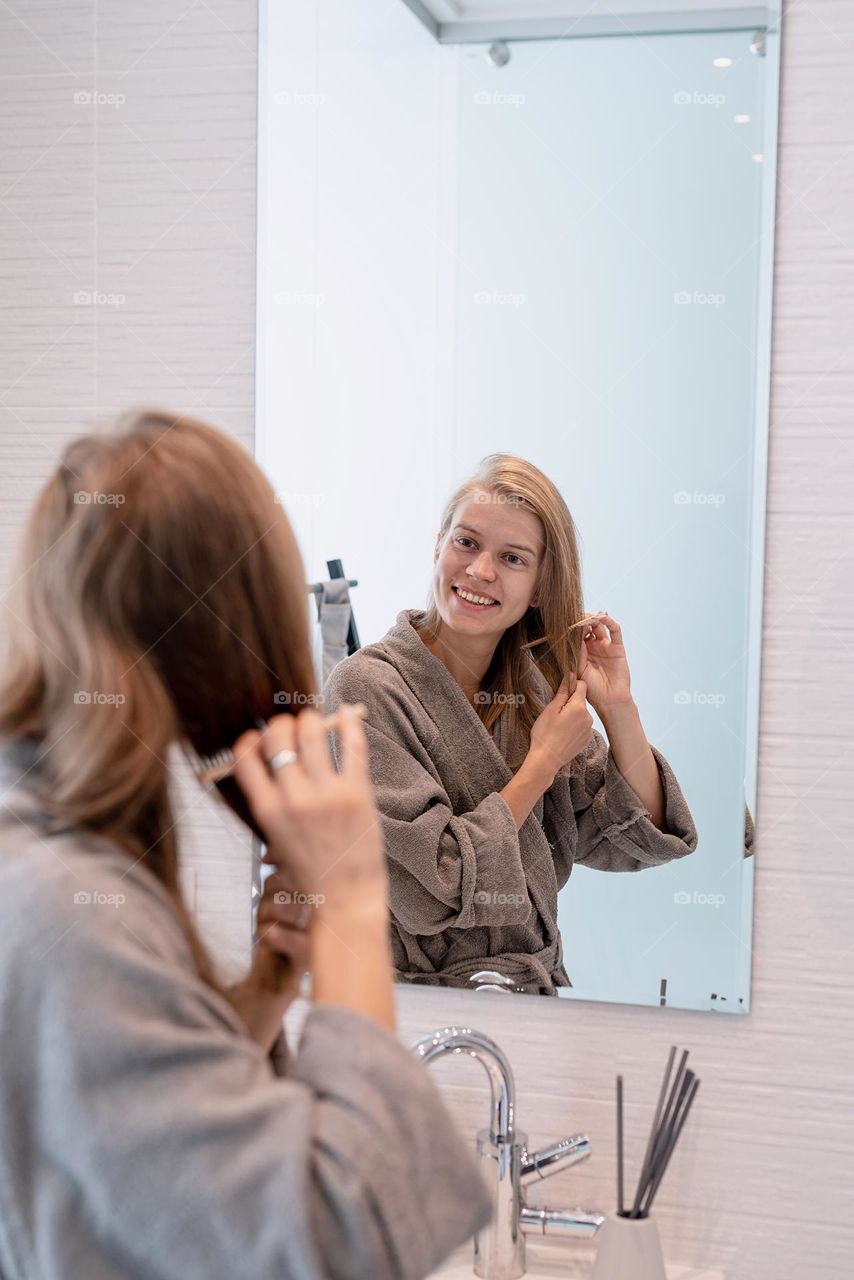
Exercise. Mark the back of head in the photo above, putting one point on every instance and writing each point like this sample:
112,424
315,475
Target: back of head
159,598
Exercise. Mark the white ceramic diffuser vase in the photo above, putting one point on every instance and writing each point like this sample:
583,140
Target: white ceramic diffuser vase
629,1249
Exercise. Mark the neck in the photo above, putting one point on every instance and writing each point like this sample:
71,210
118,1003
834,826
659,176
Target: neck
466,657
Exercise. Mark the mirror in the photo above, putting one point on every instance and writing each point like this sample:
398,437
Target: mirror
550,239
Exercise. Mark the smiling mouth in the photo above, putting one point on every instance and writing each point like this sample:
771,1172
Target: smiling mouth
473,598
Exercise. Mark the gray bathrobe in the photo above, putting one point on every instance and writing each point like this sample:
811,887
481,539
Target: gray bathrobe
144,1135
469,892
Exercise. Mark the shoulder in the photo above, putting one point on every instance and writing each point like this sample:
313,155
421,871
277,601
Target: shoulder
369,665
89,934
392,680
74,900
381,675
392,708
368,676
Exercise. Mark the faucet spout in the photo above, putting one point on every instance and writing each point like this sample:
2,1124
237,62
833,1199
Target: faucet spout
506,1163
494,1062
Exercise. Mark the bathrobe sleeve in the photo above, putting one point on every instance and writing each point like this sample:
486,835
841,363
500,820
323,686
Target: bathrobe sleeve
167,1144
594,818
446,870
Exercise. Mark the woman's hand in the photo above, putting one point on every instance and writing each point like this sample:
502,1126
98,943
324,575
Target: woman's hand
324,835
322,827
281,958
562,729
603,665
282,930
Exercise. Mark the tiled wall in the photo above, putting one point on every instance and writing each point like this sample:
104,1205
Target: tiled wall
127,229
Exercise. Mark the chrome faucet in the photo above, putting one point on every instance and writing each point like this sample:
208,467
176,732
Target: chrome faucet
508,1166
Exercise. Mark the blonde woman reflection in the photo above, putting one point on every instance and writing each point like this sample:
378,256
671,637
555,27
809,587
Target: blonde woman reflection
489,776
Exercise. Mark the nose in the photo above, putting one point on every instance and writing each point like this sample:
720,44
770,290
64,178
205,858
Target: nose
481,568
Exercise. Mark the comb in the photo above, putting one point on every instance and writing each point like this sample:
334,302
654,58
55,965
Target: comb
212,769
217,771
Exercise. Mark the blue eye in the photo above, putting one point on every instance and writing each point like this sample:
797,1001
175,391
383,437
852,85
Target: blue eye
461,539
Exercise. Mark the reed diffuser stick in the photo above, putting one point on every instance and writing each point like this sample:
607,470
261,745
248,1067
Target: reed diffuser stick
695,1084
620,1145
658,1135
653,1130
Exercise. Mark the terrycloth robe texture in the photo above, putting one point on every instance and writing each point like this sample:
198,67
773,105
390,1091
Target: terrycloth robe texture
467,891
143,1132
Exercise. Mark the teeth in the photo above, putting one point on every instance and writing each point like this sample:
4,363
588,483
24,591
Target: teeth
466,595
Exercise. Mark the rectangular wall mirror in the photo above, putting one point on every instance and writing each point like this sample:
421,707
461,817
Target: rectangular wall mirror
543,231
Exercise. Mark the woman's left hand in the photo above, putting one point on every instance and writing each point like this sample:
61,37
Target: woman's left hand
281,958
602,664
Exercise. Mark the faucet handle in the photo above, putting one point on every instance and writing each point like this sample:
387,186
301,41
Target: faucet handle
537,1165
572,1223
492,980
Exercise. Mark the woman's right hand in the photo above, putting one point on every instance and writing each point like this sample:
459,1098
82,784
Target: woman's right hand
562,730
321,826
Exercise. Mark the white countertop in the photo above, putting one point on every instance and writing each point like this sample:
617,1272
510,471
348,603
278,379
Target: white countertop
555,1260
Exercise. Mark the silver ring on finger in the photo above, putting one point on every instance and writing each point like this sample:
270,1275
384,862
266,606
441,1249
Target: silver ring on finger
281,758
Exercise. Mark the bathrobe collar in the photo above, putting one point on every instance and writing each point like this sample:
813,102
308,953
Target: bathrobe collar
424,672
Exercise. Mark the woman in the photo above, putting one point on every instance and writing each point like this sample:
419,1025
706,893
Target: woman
489,776
152,1124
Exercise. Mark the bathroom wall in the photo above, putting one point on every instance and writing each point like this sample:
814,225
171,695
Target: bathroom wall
148,204
127,226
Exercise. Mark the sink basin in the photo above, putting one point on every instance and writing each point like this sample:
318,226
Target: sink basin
555,1260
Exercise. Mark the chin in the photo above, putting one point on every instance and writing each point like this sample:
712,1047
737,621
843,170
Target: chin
461,623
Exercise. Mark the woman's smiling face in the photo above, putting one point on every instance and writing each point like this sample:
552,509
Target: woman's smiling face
492,551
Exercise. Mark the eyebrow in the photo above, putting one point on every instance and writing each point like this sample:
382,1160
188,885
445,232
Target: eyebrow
514,545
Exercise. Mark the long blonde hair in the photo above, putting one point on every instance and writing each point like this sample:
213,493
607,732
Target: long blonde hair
541,640
160,599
